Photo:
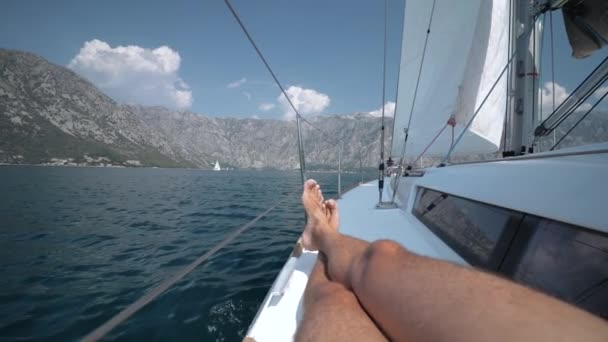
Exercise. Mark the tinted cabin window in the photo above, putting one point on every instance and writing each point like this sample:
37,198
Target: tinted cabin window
567,262
471,228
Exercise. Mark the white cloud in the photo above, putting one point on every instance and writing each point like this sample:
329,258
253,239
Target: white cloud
247,95
306,101
547,96
266,106
134,74
389,110
255,117
237,83
561,94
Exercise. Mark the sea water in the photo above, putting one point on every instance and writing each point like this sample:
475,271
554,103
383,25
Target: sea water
77,245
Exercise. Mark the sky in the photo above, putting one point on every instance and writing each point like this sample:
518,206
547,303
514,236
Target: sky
192,55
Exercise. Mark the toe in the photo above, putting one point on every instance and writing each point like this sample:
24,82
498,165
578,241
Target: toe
310,184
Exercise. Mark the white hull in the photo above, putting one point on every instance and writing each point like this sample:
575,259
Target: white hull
550,188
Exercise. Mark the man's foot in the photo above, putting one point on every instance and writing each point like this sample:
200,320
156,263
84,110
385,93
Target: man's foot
334,216
322,215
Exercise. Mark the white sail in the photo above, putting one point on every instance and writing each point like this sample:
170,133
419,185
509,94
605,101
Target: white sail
466,51
217,166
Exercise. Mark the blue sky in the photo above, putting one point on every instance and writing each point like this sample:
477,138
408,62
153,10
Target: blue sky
332,49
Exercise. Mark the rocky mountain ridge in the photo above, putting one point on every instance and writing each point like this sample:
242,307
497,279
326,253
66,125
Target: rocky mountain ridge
49,114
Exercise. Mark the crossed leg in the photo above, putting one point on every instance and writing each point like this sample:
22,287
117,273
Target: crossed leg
410,297
333,313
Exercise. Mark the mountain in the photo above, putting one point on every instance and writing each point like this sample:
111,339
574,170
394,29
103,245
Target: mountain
49,114
48,111
255,143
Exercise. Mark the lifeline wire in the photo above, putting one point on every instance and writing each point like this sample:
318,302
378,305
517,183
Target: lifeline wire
122,316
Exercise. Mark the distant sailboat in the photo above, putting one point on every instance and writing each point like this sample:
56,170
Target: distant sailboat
217,166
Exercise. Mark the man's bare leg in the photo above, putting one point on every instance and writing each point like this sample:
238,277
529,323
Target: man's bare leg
412,297
331,312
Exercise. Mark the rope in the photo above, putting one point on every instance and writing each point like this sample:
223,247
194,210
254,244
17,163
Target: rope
426,40
508,90
451,122
384,80
429,145
535,77
409,120
447,157
278,83
580,100
452,141
381,164
276,80
552,69
123,315
398,76
552,61
579,121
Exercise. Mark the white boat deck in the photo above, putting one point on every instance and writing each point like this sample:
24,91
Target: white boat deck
567,188
281,311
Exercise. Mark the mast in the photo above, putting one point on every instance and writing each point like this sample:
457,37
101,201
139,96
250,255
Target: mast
524,97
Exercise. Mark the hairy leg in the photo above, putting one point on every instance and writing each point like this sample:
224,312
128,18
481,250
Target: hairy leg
332,313
414,297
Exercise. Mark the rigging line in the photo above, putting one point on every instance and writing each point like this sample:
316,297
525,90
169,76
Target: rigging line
447,157
123,315
431,143
400,165
327,135
381,173
426,40
509,80
552,69
535,83
578,103
535,144
574,92
384,80
398,77
552,61
276,80
579,120
409,120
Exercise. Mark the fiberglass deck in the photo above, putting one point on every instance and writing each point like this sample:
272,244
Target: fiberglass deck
282,309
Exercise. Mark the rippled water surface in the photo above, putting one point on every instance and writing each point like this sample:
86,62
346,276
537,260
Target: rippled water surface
79,244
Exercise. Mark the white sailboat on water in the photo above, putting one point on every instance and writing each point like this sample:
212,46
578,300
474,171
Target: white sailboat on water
471,67
217,166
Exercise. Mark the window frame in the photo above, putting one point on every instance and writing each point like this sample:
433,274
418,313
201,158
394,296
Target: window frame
510,248
502,245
